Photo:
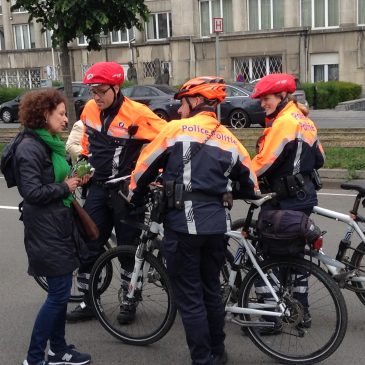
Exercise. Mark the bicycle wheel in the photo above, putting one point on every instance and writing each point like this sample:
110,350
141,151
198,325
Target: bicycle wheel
76,295
306,292
358,263
155,311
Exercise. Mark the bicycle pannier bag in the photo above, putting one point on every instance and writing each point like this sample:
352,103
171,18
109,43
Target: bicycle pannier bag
285,232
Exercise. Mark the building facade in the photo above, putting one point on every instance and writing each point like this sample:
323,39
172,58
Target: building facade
316,40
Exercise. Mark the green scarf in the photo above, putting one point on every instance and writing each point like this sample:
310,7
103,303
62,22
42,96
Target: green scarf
60,166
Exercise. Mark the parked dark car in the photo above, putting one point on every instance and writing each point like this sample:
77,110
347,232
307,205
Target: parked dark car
81,93
153,95
238,110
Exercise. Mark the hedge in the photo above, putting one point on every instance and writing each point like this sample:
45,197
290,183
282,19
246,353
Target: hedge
326,95
9,93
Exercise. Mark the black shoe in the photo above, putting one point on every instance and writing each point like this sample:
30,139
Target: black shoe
220,359
82,312
127,313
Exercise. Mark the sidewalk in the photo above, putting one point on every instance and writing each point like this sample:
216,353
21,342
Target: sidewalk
333,178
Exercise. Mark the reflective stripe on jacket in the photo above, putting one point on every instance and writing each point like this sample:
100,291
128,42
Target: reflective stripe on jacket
288,146
212,162
114,152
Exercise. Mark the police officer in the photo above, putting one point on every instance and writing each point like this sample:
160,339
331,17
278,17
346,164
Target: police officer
288,150
115,130
288,155
200,159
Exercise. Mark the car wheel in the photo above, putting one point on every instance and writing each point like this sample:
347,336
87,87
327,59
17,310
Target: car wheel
239,119
162,114
6,116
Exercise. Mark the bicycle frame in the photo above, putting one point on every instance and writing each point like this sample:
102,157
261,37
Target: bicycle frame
333,265
250,250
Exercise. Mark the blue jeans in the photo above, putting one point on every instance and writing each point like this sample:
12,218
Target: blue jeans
51,319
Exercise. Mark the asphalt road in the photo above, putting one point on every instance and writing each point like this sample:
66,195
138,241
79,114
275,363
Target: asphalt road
21,299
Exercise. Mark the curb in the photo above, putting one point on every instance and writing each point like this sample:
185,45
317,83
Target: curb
333,178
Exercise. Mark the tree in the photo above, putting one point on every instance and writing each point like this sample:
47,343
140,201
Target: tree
68,19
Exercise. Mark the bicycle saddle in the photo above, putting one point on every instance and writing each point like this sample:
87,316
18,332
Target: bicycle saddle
358,185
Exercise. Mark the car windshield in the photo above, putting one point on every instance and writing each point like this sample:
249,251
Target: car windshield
166,89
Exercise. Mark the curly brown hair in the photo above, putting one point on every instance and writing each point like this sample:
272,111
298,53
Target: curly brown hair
35,104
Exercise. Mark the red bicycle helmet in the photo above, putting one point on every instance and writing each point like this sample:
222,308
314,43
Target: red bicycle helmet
210,87
274,84
109,73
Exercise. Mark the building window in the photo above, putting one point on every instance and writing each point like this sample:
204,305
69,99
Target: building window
325,73
159,26
149,68
324,67
210,9
266,14
24,78
319,13
82,41
20,10
360,11
24,36
122,36
2,39
253,68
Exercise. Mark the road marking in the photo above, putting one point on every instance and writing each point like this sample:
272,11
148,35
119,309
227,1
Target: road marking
8,207
336,194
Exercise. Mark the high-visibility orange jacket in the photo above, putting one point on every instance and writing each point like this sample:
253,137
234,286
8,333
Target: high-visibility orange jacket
203,162
289,145
112,150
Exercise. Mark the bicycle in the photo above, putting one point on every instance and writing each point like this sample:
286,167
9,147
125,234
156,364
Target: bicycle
243,306
149,289
255,306
348,272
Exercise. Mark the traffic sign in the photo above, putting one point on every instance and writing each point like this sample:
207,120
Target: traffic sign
218,25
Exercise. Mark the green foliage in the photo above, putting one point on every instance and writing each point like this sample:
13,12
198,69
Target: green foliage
9,93
345,158
56,83
69,19
309,91
323,95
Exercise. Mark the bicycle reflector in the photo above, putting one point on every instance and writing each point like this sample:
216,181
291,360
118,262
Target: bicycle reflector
318,243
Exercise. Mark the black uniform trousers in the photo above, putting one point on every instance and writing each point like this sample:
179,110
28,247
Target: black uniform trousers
193,264
107,209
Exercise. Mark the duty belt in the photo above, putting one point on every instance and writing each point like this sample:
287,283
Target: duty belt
289,186
198,196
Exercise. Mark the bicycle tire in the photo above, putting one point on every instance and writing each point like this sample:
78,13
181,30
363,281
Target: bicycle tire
238,224
155,312
358,264
294,344
75,297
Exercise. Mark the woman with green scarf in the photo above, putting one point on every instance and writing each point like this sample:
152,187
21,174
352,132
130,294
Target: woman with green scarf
44,183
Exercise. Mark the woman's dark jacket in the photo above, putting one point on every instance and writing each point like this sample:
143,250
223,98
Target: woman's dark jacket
47,222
